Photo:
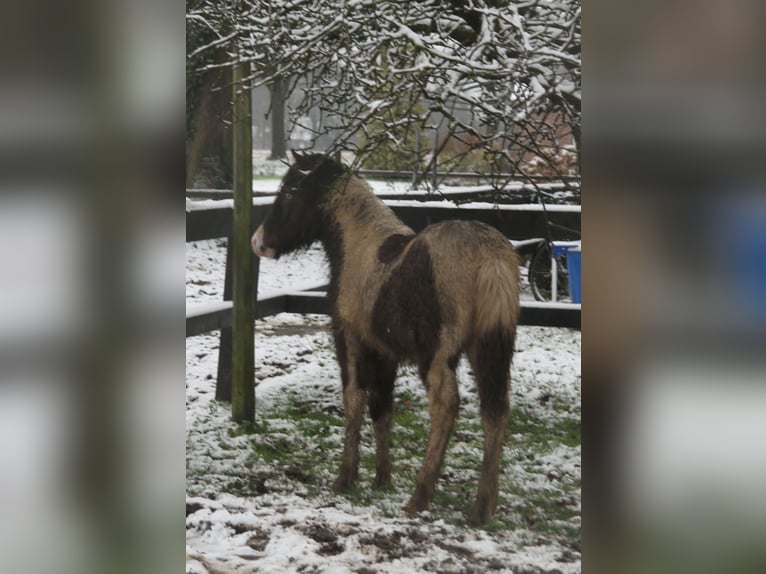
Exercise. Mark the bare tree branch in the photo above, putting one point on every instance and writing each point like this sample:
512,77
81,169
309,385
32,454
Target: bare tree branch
501,78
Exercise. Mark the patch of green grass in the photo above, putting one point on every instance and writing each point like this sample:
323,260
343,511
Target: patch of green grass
452,498
542,431
298,442
308,418
246,428
362,494
545,512
269,450
568,431
409,424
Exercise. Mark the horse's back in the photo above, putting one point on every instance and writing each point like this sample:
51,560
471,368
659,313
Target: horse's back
477,274
459,250
453,280
461,237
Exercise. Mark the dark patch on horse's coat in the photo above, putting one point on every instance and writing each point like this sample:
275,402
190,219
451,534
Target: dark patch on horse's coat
406,316
392,247
376,375
332,241
492,369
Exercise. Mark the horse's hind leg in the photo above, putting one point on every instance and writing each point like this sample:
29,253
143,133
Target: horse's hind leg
491,361
380,374
443,402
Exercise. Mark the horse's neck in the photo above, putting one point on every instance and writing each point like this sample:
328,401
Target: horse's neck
362,222
362,216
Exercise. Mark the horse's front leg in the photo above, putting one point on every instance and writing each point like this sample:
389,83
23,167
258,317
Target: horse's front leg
348,351
377,375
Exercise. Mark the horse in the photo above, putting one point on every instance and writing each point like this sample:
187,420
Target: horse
400,297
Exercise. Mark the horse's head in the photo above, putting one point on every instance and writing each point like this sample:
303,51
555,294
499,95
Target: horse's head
296,218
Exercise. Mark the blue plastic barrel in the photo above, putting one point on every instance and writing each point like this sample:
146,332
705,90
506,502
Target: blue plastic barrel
574,268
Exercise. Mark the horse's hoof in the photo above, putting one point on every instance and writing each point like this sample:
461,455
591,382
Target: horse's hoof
382,483
415,505
342,484
479,515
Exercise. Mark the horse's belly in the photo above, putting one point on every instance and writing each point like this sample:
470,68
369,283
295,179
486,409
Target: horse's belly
406,326
397,312
401,345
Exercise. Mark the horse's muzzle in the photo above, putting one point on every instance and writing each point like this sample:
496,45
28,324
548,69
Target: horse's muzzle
259,248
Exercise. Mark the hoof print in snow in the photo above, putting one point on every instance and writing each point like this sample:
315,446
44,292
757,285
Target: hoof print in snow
319,533
331,548
417,536
238,528
390,544
326,538
258,541
454,549
495,564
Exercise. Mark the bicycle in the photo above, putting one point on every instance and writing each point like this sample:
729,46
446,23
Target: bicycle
541,264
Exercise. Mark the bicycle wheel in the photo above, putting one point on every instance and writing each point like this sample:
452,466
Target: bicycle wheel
539,275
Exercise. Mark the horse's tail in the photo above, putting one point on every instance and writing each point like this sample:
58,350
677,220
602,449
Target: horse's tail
497,294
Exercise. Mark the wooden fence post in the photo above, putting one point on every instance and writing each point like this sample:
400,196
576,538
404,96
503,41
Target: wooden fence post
243,316
223,381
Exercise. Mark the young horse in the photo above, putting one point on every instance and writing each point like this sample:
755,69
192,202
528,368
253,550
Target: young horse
398,296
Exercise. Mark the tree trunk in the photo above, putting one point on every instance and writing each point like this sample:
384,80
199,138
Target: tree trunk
209,149
278,136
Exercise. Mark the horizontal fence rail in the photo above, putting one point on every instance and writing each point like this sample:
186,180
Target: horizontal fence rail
516,222
213,220
204,318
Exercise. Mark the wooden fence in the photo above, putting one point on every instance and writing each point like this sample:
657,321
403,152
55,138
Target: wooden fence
515,221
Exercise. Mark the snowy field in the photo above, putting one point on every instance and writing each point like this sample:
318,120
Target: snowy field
259,496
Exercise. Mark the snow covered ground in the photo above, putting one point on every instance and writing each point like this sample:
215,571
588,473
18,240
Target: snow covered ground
259,496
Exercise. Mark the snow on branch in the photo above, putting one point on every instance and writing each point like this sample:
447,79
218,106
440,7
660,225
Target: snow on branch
500,80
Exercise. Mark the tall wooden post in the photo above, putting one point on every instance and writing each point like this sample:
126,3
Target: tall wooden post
243,354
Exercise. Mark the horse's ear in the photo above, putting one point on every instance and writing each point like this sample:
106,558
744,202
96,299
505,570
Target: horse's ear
303,162
306,161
